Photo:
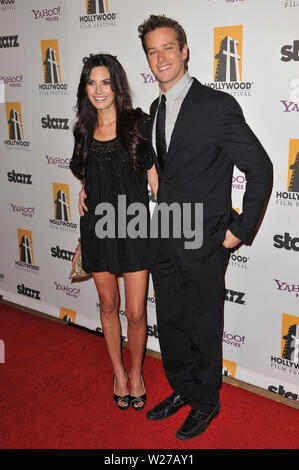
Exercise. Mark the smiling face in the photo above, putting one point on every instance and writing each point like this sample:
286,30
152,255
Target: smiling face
98,89
166,60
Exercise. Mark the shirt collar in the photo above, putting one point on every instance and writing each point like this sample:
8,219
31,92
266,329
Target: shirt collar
176,90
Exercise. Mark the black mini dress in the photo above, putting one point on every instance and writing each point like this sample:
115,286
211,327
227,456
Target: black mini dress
111,186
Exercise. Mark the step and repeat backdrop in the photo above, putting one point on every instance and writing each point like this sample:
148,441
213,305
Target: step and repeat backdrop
248,48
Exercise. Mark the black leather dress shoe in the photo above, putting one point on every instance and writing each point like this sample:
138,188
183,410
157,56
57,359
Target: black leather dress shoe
196,423
167,407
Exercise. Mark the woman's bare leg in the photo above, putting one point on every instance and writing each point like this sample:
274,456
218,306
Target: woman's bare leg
107,287
136,287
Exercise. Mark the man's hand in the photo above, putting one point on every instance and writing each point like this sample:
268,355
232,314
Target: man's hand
81,204
230,240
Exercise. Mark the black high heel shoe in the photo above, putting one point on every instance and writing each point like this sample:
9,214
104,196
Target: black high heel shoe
126,399
135,401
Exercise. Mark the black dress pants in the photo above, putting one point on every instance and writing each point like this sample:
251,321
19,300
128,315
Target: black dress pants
189,307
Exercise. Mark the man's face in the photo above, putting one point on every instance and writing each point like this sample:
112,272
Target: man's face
164,57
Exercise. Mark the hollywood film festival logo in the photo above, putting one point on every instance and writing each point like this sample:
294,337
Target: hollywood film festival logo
290,3
16,140
62,209
98,14
6,5
52,81
288,361
26,253
289,195
228,61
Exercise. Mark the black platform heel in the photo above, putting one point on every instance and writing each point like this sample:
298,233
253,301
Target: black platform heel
126,399
135,401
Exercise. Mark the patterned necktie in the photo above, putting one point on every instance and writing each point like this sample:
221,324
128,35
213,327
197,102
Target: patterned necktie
160,133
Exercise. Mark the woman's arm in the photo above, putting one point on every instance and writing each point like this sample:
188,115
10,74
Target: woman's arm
153,181
82,196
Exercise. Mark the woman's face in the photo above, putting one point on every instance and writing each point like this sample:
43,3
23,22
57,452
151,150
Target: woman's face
98,89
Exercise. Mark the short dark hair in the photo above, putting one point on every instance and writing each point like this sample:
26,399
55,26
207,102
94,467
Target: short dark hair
162,21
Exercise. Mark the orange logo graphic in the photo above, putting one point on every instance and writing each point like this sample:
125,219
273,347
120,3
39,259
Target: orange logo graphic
228,43
14,121
50,60
290,337
67,314
25,245
229,368
96,6
293,166
61,199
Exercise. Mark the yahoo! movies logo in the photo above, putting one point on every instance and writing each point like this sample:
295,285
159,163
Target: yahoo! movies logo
47,14
98,14
52,84
62,208
289,196
25,261
58,162
13,81
287,287
14,120
67,290
237,341
23,210
148,78
228,60
289,355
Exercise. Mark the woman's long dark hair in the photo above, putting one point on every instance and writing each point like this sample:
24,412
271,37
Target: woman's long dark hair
127,118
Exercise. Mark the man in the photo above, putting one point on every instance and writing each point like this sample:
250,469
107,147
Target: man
199,134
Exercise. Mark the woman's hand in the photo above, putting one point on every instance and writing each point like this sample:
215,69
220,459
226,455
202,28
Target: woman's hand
77,253
153,180
81,204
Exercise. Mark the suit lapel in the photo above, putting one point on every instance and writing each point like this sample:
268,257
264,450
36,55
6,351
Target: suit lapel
180,124
153,111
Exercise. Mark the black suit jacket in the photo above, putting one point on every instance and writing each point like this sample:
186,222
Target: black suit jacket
210,137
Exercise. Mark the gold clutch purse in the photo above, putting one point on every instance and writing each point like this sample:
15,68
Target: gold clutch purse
77,271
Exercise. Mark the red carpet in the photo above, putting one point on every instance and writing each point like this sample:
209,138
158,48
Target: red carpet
56,393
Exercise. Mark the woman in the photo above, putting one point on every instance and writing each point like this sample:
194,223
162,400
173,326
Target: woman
112,156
